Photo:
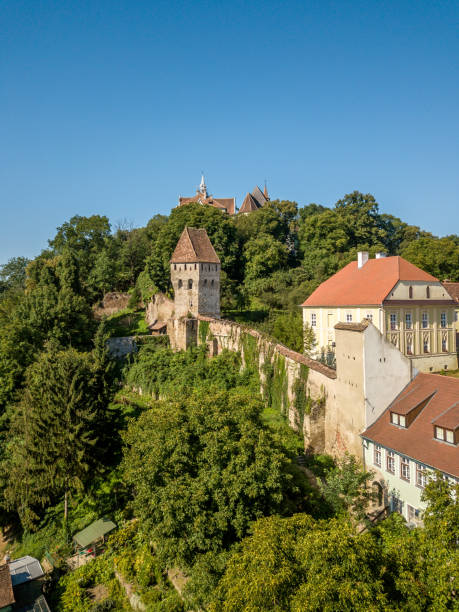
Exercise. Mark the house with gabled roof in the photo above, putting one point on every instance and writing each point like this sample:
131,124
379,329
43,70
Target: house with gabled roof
453,290
202,196
410,307
415,436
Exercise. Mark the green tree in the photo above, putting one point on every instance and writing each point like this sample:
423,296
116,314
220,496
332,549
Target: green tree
52,449
264,254
346,488
438,256
298,564
13,273
201,469
222,234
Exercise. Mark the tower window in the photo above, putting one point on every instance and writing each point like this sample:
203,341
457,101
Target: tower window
190,284
175,266
180,283
427,292
185,266
205,282
195,266
212,282
410,292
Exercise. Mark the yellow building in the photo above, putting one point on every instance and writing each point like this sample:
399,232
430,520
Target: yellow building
453,290
410,307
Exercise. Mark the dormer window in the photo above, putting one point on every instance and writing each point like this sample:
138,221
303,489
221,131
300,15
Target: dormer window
410,292
398,419
445,435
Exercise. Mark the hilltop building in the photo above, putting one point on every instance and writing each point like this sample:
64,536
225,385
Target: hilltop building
254,201
410,307
195,275
202,196
417,434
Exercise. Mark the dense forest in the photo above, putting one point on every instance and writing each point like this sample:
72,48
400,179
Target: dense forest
196,468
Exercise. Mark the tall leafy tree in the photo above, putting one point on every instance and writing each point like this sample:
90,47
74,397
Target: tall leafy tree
53,443
201,469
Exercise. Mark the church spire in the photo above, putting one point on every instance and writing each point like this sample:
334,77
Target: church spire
265,191
202,186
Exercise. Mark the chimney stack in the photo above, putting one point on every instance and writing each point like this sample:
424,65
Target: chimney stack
380,255
362,258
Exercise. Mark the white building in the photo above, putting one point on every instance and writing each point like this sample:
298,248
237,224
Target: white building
416,435
410,307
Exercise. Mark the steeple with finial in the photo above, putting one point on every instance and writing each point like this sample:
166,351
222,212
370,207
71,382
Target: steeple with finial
202,186
265,191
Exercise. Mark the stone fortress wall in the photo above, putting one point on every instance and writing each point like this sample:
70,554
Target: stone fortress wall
330,407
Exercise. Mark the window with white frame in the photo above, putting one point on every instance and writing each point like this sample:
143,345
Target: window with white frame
443,319
398,419
393,321
405,469
421,476
445,435
408,320
349,318
425,320
377,455
456,316
313,319
413,514
425,345
390,462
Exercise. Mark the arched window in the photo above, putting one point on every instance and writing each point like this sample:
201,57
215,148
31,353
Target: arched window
190,284
410,292
180,283
427,292
185,266
195,266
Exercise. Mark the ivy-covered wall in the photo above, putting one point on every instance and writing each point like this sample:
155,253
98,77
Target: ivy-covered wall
283,375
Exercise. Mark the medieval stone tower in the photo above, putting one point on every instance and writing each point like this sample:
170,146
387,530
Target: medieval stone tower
195,275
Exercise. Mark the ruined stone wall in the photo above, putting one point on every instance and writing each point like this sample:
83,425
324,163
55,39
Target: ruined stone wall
160,308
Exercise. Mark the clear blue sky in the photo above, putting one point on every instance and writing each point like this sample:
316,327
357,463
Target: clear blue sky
113,107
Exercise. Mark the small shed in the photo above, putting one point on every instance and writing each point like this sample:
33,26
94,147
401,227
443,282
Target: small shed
93,533
25,569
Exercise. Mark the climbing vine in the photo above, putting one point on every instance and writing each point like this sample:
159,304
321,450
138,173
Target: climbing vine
302,401
203,331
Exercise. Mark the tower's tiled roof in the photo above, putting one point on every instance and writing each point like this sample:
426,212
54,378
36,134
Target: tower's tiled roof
249,204
370,284
440,396
194,246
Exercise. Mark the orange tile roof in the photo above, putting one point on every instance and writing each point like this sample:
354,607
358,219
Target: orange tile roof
417,440
367,285
452,289
194,246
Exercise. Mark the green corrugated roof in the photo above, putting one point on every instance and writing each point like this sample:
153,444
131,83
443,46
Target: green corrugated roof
93,532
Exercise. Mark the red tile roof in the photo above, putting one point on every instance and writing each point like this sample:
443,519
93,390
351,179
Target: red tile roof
452,289
227,204
368,285
194,246
417,440
6,587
